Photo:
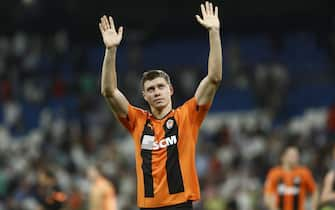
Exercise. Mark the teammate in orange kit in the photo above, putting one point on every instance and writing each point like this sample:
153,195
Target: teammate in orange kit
287,185
165,138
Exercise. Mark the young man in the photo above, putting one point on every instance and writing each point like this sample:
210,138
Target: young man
165,138
287,185
48,191
102,194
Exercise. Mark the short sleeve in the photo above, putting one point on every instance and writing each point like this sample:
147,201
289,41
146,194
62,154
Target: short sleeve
310,182
196,113
270,185
134,113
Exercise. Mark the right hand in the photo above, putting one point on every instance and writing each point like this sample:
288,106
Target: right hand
110,37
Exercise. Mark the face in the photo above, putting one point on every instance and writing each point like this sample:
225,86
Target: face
291,156
92,173
42,179
157,93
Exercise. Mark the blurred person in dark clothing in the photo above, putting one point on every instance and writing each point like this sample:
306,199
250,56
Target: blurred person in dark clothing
49,194
331,121
75,199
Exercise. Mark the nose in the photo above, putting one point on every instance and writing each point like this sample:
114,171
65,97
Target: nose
157,92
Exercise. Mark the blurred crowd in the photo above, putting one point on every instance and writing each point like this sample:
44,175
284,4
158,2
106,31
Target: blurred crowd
54,123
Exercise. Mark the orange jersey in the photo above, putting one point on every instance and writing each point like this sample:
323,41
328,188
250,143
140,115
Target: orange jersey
102,195
290,187
165,154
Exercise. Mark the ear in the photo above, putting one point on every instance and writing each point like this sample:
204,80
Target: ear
144,96
171,90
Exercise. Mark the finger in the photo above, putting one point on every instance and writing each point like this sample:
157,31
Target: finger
203,10
103,23
216,13
111,21
211,12
120,31
199,20
207,8
101,28
106,22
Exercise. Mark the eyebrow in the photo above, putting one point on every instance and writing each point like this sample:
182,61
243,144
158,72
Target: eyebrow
158,84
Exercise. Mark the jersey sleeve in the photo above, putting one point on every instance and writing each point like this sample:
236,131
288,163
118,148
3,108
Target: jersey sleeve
310,182
270,183
134,113
195,112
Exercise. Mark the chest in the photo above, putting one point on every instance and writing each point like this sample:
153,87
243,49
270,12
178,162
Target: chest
290,183
159,134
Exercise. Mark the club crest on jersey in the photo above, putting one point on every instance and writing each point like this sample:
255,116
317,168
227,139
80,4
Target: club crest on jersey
297,180
169,124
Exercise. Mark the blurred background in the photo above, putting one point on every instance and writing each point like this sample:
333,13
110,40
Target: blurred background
278,88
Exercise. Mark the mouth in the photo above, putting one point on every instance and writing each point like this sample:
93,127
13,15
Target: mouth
158,100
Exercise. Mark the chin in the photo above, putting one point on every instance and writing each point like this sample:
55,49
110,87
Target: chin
160,106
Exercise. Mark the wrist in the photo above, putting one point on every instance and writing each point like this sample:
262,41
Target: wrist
111,49
214,29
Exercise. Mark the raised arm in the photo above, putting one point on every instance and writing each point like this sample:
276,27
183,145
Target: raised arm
210,20
327,193
116,100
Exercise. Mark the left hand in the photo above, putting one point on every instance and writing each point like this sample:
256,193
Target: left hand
210,16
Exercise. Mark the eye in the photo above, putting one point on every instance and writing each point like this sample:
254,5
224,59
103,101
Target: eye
161,86
150,89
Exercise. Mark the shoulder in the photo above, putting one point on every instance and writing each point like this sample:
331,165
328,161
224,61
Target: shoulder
275,171
190,102
191,105
304,169
137,110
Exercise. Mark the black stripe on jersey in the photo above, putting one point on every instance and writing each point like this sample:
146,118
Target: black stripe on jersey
147,163
281,194
297,185
173,171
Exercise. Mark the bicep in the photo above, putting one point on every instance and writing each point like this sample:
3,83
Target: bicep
269,196
206,91
118,104
270,184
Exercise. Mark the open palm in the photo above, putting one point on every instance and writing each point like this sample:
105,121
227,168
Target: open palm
210,16
110,36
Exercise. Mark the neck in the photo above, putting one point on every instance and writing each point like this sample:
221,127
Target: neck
161,113
287,167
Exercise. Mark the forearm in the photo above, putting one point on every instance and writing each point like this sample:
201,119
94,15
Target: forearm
327,197
315,199
108,78
215,56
